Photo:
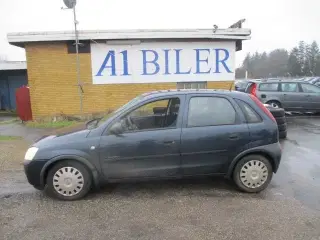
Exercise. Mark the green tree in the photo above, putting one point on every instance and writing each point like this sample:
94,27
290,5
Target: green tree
303,60
313,56
278,63
317,69
302,56
294,66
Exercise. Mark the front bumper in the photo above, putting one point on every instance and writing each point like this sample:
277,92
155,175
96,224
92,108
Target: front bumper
32,170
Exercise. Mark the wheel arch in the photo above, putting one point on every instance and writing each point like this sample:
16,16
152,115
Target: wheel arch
93,171
275,100
253,152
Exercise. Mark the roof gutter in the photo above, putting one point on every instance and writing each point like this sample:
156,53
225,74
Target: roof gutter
18,39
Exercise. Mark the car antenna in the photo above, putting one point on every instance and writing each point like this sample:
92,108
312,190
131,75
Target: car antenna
230,89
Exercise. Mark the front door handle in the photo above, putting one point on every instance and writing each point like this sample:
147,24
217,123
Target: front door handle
234,137
168,142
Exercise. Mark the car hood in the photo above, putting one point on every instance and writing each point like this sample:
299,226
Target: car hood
64,135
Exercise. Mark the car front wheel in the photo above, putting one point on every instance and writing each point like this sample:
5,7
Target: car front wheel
253,173
68,180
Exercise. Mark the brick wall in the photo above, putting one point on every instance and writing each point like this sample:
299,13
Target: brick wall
53,83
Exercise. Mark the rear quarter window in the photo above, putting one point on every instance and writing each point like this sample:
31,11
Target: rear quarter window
249,113
268,87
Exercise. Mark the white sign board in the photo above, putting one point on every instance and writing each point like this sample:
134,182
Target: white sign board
162,62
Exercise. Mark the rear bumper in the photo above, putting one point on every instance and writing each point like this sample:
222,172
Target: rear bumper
275,151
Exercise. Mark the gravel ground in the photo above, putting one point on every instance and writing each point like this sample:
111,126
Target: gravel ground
185,209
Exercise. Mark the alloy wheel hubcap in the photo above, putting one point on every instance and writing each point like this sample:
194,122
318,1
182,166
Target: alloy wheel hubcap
253,174
68,181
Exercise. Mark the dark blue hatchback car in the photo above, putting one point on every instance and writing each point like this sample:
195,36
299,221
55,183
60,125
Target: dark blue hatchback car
162,134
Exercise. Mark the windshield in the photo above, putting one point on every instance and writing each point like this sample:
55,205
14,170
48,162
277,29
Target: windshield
129,104
125,106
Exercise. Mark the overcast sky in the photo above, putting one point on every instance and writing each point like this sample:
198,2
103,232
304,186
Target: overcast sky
274,23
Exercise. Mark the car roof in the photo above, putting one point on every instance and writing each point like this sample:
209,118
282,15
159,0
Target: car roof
281,81
169,92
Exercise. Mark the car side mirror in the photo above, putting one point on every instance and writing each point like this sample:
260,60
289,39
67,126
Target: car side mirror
116,129
92,123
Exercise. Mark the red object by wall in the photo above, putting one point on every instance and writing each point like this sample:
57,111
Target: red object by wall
23,103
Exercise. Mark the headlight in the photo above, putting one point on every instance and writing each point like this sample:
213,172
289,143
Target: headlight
31,152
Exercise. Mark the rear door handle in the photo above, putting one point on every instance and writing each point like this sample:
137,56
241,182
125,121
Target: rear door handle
234,137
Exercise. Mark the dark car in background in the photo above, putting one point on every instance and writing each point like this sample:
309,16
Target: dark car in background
162,135
311,80
241,85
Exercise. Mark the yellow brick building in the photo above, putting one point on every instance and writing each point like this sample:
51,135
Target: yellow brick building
52,76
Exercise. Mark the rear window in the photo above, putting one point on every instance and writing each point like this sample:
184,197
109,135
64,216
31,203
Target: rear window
242,84
307,88
271,87
250,114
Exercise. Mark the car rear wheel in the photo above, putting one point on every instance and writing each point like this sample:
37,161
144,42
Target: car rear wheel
274,104
68,180
253,173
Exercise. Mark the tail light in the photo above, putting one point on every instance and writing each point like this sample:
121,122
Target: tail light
262,107
254,89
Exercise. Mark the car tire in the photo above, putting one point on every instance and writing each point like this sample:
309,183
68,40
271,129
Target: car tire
260,176
277,112
274,104
68,180
281,120
283,134
282,127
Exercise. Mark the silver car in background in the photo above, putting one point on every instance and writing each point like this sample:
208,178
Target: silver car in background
293,96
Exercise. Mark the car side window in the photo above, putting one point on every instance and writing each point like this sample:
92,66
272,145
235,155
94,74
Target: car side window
210,111
307,88
152,115
289,87
250,114
268,87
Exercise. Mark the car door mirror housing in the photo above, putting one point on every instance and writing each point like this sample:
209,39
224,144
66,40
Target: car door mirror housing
92,124
116,129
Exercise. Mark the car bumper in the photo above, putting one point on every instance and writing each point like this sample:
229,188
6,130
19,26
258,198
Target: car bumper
275,150
32,170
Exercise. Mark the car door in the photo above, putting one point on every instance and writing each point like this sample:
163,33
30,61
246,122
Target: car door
153,151
311,95
293,100
268,91
212,134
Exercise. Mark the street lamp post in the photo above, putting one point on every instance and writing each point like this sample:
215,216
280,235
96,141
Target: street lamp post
78,58
71,4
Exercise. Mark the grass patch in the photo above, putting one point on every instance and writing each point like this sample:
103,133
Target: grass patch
9,138
57,124
8,122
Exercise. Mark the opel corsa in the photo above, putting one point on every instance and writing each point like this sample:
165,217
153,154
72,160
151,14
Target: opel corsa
162,135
